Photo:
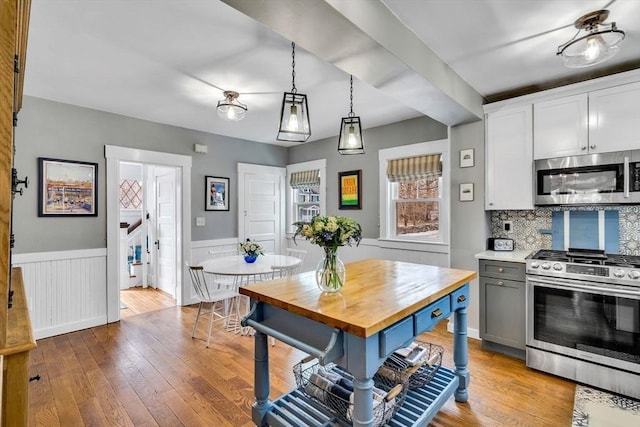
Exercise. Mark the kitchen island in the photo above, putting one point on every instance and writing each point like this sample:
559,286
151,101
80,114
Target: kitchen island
384,305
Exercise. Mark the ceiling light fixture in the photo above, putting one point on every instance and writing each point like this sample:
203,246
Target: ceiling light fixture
294,115
350,140
230,108
600,43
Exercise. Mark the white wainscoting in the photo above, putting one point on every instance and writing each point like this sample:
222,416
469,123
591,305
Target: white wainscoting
66,290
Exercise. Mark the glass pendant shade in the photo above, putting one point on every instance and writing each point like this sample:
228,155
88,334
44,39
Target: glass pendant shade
595,45
350,140
294,118
230,108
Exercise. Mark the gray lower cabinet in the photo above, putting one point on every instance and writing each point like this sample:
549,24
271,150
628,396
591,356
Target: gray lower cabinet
502,307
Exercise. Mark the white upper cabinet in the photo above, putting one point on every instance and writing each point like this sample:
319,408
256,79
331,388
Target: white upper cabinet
600,121
560,127
614,118
509,163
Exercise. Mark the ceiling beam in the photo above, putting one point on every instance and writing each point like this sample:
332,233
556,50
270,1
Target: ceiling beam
363,38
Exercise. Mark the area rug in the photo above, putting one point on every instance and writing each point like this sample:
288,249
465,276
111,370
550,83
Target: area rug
596,408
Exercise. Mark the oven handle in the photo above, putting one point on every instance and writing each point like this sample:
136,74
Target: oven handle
627,178
591,288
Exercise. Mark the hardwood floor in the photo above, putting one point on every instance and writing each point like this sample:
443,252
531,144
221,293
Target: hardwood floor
138,300
146,370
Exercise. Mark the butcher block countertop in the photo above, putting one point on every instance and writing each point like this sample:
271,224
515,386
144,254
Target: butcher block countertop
377,293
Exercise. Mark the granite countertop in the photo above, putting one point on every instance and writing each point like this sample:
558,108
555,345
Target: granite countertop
514,256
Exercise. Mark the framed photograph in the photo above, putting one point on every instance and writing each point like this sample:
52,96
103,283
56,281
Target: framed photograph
67,188
466,192
216,193
350,189
466,158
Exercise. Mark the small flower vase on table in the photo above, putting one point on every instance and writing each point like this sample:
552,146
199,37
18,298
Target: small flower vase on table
330,273
250,258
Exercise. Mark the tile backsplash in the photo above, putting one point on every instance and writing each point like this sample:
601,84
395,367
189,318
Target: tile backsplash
532,229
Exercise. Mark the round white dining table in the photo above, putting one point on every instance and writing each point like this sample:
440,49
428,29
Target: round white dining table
237,266
244,273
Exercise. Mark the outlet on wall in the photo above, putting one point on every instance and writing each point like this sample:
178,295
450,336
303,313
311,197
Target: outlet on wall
507,226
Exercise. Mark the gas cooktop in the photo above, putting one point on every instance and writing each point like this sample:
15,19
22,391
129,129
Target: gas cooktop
588,256
586,264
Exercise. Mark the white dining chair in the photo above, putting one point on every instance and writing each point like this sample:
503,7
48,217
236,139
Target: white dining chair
222,299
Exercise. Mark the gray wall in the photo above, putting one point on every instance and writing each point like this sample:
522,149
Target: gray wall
51,129
402,133
469,222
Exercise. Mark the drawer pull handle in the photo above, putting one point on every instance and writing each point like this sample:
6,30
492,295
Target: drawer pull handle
462,298
500,270
436,313
500,283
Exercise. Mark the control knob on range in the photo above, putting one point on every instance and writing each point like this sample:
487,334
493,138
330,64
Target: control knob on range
557,266
619,273
535,264
634,274
546,266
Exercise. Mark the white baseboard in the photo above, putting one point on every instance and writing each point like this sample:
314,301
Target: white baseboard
69,327
471,332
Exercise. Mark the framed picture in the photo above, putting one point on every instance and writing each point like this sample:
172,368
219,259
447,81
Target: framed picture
466,192
67,188
216,193
350,189
466,158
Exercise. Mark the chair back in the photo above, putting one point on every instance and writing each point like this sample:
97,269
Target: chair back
300,254
199,282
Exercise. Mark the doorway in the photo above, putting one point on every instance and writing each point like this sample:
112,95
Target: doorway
261,205
166,164
147,202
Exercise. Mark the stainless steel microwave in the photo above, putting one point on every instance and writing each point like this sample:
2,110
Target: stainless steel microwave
590,179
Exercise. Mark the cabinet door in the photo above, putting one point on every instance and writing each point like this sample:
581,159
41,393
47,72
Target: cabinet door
614,119
509,162
560,127
502,312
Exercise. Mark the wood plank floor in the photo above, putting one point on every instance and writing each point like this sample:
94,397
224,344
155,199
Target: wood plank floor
146,370
138,300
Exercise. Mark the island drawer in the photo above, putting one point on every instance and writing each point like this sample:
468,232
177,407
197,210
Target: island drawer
427,318
395,336
460,298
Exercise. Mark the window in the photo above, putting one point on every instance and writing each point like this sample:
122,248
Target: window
306,191
130,194
414,196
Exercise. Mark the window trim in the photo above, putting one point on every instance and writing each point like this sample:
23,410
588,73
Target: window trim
411,150
320,165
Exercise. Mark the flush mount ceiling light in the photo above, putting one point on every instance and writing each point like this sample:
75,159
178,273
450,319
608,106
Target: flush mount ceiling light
230,108
350,140
596,44
294,115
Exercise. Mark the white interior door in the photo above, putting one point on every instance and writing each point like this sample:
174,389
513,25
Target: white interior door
261,205
166,230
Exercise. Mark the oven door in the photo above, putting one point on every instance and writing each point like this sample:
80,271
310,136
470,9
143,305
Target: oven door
585,320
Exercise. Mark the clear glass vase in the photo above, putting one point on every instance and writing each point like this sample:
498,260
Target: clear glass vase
330,272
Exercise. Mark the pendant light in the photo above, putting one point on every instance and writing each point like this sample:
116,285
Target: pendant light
294,115
230,108
350,140
598,43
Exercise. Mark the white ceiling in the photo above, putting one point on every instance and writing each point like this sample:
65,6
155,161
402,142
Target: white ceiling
168,61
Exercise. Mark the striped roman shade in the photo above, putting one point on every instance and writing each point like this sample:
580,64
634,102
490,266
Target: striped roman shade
412,168
305,179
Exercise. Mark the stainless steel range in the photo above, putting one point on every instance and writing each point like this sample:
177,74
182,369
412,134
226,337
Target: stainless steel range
583,317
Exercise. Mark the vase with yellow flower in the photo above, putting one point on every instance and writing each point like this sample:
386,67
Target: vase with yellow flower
330,232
